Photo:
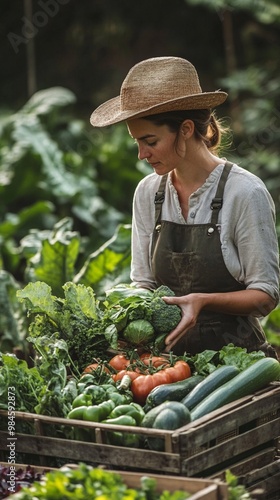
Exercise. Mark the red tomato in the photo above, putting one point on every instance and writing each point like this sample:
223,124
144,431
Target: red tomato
119,362
155,361
143,384
180,371
121,373
95,366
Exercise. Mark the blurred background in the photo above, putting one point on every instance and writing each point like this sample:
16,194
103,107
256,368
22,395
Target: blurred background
65,188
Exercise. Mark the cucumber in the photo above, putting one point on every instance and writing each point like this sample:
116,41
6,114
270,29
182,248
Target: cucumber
254,378
209,384
175,391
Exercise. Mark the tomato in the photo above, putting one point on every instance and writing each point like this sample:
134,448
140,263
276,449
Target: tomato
95,366
121,373
143,384
155,361
119,362
180,371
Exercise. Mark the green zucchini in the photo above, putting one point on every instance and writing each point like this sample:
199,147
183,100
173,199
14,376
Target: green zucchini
254,378
175,391
209,384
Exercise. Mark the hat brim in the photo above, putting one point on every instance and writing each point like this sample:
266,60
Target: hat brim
110,112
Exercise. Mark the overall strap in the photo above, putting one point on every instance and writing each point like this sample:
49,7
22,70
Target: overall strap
159,199
217,202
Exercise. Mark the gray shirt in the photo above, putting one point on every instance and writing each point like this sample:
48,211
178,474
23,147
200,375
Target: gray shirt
246,223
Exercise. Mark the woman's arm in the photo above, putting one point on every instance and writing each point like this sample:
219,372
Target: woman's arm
241,303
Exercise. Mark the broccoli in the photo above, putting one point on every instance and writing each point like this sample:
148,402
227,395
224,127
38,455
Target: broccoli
163,291
165,317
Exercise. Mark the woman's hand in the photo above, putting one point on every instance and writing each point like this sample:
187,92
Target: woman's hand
244,302
191,306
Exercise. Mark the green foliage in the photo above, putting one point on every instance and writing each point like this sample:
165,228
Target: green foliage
271,326
76,319
66,188
126,304
41,388
207,361
236,491
265,11
49,164
13,324
85,482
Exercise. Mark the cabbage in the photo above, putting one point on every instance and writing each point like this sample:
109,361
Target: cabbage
139,332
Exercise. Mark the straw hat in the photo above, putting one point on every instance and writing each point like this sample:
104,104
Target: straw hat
154,86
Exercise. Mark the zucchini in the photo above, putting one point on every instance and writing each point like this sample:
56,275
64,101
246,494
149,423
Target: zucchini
254,378
209,384
175,391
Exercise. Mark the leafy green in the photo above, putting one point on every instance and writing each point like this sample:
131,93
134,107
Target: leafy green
27,382
43,388
139,332
238,356
207,361
85,482
126,303
12,324
76,319
236,491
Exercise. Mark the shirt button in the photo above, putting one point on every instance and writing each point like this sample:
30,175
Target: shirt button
192,215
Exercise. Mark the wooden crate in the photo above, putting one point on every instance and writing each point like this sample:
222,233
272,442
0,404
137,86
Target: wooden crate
242,434
235,434
200,489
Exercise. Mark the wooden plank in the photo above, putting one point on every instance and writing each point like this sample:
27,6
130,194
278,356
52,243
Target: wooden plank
228,452
264,472
97,454
200,487
254,461
270,486
251,413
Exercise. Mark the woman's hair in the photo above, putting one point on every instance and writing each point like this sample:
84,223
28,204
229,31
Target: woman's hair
207,127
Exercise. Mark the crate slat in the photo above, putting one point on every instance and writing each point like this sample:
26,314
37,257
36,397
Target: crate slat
45,446
229,451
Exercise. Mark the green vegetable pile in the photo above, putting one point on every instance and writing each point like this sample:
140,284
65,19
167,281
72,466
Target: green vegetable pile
43,388
86,482
90,327
140,315
76,319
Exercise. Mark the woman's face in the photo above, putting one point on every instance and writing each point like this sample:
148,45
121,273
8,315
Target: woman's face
156,144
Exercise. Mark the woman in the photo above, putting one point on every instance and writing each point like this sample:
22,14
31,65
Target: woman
201,225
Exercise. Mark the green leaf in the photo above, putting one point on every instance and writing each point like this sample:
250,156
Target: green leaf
55,261
80,300
29,131
38,298
12,329
44,101
111,258
238,356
